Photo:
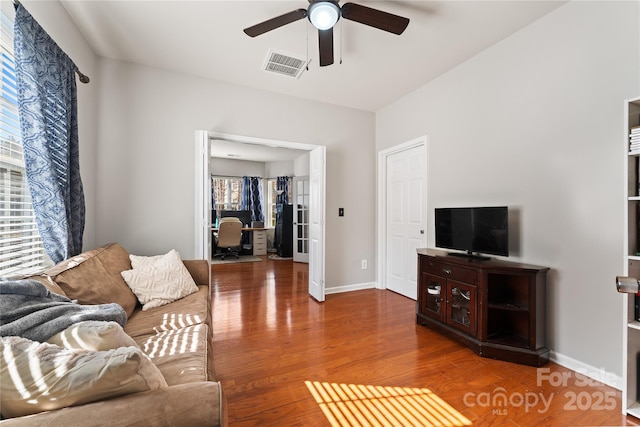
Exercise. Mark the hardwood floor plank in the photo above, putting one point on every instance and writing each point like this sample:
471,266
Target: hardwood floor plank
271,341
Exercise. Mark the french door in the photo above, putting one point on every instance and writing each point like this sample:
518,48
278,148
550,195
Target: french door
301,219
202,196
317,182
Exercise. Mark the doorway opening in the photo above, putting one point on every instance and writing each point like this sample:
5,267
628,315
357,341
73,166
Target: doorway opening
316,171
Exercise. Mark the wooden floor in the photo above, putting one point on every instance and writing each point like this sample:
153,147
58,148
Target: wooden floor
359,358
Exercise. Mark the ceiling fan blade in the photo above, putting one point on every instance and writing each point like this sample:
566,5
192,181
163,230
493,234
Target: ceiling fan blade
273,23
375,18
325,38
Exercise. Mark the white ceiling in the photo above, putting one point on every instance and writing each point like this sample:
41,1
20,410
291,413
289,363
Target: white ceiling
205,38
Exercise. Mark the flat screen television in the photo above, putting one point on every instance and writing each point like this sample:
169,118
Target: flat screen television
477,230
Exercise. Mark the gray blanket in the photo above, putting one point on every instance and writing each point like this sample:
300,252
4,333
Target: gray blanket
29,310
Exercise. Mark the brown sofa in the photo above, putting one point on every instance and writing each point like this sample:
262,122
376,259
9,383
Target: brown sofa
177,337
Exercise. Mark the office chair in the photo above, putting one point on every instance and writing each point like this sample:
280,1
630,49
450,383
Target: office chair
229,237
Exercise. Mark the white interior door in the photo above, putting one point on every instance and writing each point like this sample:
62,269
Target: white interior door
301,219
202,197
317,170
406,213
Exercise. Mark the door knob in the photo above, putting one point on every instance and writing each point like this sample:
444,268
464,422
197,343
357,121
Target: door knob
421,231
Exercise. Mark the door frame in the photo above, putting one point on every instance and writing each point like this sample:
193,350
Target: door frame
381,271
203,171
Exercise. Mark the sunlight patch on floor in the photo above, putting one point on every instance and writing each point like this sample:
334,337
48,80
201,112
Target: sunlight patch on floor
351,405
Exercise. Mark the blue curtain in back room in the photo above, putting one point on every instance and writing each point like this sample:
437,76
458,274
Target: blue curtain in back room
252,197
47,100
282,189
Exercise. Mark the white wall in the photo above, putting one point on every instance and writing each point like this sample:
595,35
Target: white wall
230,167
301,166
146,159
535,122
54,19
281,168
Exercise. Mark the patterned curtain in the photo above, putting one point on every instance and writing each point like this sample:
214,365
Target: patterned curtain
252,197
47,101
282,188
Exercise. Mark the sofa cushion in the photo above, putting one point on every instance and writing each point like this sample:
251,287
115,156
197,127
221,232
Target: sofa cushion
93,335
200,404
161,281
190,310
64,377
93,277
180,354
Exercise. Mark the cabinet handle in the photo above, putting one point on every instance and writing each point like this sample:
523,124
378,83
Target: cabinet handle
446,271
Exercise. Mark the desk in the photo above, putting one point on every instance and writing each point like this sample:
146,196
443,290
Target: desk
258,239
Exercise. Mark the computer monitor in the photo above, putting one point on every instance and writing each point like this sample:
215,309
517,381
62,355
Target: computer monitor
244,216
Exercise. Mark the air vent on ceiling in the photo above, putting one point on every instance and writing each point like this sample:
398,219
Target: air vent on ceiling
284,63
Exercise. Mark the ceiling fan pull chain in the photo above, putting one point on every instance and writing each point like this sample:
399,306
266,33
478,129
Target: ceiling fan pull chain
340,23
307,64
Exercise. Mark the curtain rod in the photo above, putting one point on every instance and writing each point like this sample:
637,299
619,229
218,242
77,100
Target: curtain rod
231,176
82,77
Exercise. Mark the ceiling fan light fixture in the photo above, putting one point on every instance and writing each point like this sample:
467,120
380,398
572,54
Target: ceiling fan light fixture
324,14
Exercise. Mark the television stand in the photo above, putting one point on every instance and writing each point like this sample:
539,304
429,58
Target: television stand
494,307
470,255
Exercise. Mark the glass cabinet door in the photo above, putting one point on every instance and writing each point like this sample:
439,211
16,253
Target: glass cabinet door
433,288
461,309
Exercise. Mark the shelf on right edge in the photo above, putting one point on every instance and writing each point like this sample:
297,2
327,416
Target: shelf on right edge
508,307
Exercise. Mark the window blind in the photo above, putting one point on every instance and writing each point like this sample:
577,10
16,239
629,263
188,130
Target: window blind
228,192
21,249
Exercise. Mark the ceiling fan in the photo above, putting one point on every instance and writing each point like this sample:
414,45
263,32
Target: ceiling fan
324,14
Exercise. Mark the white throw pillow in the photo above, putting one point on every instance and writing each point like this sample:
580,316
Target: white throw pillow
93,335
36,377
138,261
160,282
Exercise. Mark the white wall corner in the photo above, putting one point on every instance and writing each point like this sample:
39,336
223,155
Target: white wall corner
597,374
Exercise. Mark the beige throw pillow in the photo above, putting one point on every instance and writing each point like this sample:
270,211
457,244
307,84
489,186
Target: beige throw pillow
163,280
93,277
36,377
93,335
138,261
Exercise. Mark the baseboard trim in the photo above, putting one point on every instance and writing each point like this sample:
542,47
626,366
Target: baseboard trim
598,374
349,288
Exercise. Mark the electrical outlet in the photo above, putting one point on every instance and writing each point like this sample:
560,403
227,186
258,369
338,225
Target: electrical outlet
364,264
